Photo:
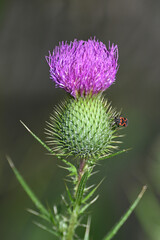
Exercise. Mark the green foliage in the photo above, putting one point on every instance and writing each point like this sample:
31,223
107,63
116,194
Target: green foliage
38,139
80,189
148,215
115,229
37,203
113,154
43,212
63,223
86,236
90,194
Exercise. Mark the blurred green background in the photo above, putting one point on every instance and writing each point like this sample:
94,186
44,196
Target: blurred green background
28,29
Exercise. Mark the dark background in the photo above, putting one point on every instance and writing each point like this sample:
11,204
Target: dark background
28,29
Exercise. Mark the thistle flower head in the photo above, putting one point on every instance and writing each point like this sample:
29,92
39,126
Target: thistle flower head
83,128
83,67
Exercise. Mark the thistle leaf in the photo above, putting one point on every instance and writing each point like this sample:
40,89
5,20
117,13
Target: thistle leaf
71,168
33,212
47,229
38,139
27,189
86,237
92,192
89,204
115,229
69,194
113,154
38,214
42,143
80,189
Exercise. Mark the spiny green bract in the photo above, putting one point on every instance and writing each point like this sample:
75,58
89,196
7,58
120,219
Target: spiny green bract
82,127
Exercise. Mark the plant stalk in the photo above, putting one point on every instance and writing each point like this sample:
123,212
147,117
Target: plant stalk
81,169
72,223
75,213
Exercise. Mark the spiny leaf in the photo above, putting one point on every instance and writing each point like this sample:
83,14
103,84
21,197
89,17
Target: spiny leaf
42,216
38,214
42,143
39,140
114,154
89,204
88,188
71,168
113,232
27,189
69,194
33,212
86,237
64,200
47,229
92,192
81,186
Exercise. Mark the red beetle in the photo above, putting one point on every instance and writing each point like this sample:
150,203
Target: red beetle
121,121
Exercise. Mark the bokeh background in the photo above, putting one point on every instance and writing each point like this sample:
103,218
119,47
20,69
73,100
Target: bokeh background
28,29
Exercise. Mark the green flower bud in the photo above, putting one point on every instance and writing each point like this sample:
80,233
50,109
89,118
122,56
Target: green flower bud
82,127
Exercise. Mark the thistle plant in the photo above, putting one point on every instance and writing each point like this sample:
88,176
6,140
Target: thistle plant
80,132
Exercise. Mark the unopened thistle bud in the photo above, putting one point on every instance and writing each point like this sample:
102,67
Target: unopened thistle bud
82,126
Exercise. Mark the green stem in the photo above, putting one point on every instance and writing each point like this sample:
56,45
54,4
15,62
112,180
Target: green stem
76,207
72,223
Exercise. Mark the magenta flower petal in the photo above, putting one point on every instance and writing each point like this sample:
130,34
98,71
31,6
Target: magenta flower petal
83,67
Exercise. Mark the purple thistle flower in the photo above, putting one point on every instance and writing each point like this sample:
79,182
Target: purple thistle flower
83,67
